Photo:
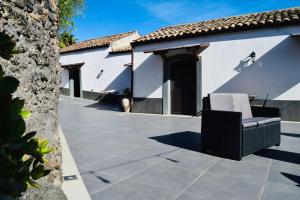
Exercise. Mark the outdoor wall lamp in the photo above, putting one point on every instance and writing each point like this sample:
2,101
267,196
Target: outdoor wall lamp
252,56
100,73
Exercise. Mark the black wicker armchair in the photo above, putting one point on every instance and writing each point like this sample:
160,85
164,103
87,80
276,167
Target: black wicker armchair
231,128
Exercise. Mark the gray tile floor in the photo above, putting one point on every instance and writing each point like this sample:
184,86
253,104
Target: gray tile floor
150,157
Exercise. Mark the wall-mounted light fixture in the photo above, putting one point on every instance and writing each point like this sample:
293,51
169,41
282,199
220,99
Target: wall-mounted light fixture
252,56
100,73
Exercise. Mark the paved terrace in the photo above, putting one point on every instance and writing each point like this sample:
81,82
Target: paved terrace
150,157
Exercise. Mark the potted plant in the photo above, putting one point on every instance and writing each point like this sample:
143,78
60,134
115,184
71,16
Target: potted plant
126,103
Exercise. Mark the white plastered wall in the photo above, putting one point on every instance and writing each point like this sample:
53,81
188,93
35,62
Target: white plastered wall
276,70
115,76
64,78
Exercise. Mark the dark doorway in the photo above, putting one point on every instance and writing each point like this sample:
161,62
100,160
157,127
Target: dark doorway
183,87
74,77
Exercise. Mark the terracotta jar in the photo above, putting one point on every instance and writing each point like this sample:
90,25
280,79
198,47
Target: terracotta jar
126,104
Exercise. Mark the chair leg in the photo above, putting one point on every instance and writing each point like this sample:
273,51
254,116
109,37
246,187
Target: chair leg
203,149
239,158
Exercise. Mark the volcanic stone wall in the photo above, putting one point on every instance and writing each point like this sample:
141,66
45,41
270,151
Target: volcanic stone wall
33,25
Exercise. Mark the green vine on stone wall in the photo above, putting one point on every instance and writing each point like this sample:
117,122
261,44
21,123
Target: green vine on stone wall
22,155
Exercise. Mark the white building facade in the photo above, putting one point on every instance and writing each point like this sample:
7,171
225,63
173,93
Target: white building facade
172,74
96,67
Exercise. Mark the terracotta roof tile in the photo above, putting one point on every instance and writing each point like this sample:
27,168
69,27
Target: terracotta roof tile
94,43
121,50
290,16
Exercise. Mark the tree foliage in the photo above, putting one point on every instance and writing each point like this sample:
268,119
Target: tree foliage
66,39
68,10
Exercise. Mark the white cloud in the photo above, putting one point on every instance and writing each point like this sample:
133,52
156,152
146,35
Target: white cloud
166,10
183,11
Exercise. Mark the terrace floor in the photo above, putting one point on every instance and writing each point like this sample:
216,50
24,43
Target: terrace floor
150,157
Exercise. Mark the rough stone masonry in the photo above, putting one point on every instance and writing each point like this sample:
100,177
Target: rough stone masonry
33,24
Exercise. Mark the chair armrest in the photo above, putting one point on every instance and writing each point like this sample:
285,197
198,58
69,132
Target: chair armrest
265,111
205,103
221,133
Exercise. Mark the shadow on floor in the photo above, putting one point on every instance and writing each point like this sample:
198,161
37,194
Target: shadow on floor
280,155
102,106
292,177
291,135
186,140
104,180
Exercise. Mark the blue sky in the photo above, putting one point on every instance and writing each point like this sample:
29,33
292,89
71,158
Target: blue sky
105,17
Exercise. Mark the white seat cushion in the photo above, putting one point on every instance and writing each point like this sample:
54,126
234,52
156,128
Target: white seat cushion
231,102
221,101
241,104
255,121
251,122
268,120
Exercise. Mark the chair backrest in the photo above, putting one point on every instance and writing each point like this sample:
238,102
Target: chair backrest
231,102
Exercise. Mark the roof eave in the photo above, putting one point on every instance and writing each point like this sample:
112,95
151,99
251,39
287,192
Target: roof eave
232,30
120,52
83,49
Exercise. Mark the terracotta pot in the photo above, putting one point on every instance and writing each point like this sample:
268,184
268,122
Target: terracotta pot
126,104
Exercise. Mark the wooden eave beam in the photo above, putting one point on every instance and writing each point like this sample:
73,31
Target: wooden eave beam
75,65
188,47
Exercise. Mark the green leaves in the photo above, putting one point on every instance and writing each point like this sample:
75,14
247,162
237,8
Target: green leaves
20,143
28,136
1,73
25,114
33,183
42,149
66,39
7,46
22,156
39,172
8,85
68,10
16,106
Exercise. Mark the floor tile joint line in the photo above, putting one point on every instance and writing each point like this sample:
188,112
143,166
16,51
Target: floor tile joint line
261,193
132,174
200,175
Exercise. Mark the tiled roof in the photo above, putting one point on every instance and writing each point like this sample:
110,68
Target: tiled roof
290,16
94,43
127,49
